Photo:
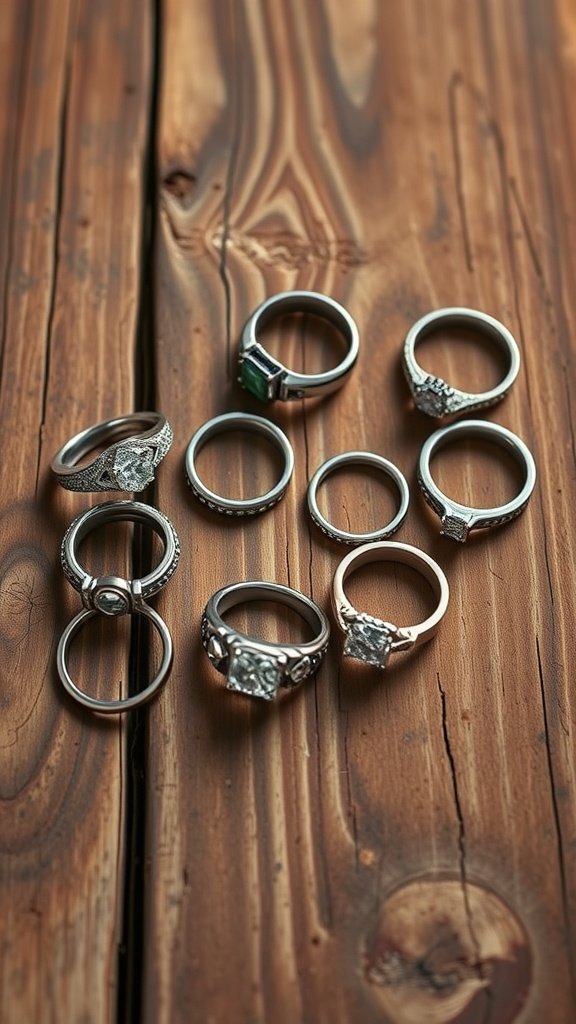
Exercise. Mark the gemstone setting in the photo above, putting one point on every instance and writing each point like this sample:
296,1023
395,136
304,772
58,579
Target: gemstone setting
434,396
110,602
259,374
254,673
456,527
369,640
133,467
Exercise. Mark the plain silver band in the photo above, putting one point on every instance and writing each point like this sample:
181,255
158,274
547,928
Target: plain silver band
285,384
134,428
358,458
456,400
235,421
456,517
107,707
121,511
405,554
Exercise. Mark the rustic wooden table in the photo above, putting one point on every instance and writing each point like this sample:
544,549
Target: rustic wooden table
397,847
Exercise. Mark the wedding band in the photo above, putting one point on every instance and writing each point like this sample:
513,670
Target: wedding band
433,395
267,378
358,458
235,421
370,639
255,667
113,595
458,519
127,703
126,465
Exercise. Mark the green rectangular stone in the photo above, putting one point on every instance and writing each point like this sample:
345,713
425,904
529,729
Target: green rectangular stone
254,379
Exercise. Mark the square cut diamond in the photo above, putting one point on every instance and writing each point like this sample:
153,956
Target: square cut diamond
455,527
368,640
253,673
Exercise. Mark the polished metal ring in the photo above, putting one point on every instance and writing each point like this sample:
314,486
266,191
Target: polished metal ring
268,379
457,519
358,458
255,667
370,639
107,707
433,395
238,421
126,465
113,595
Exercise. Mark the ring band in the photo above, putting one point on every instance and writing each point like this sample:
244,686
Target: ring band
239,421
267,378
458,519
127,465
358,458
258,668
127,703
370,639
109,594
434,396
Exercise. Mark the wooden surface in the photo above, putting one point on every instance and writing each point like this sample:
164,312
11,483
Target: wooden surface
370,848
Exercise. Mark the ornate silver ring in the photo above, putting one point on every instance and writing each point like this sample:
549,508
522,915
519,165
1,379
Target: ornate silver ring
458,519
238,421
433,395
126,465
358,458
267,378
370,639
252,666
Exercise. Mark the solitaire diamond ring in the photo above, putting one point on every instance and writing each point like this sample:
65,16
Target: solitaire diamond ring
433,395
370,639
126,465
267,378
254,667
358,458
458,519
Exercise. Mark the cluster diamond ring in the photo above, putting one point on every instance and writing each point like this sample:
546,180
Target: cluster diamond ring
127,464
254,667
363,459
370,639
238,421
267,378
434,396
458,519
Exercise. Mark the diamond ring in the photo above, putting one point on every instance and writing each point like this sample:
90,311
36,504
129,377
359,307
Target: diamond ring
255,667
242,421
358,458
458,519
126,465
370,639
268,379
433,395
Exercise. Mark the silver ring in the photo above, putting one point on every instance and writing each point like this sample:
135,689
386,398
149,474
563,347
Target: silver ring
113,595
433,395
238,421
255,667
370,639
458,519
268,379
126,465
358,458
127,703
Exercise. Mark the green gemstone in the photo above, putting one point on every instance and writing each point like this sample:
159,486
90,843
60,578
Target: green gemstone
254,380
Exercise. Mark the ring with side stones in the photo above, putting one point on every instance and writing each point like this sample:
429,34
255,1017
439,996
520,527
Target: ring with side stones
255,667
126,465
363,459
238,421
267,378
458,519
370,639
433,395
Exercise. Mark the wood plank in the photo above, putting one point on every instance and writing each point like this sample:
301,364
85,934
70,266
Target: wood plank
74,124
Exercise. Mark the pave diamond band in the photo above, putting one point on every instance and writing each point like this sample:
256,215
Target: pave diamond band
252,667
364,459
370,639
126,465
268,379
458,519
434,396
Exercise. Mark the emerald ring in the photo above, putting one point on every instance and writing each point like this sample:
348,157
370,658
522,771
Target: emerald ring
270,380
